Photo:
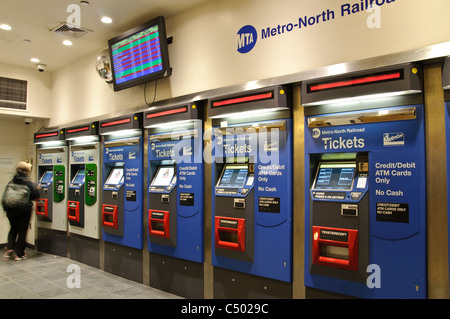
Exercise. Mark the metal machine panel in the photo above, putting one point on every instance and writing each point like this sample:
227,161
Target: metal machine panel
386,204
122,200
175,190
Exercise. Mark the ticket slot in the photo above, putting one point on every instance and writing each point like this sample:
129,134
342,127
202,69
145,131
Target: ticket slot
110,216
335,247
73,211
42,207
159,223
230,233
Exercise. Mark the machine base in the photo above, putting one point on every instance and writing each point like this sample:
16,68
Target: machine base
177,276
85,250
236,285
51,241
124,261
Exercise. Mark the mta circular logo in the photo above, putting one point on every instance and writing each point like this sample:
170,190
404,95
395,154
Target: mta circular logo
315,133
246,40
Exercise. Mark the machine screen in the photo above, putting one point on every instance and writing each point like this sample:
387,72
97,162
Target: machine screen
79,177
115,176
47,177
337,176
163,176
233,176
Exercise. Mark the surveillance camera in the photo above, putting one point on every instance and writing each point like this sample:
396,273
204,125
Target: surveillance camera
41,67
28,120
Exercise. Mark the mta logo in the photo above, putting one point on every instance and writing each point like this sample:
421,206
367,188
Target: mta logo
246,40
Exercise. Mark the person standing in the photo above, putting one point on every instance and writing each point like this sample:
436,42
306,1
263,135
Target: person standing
19,219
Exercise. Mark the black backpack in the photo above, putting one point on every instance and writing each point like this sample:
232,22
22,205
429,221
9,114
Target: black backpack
16,197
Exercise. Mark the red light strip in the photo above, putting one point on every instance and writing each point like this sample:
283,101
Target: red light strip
365,80
47,135
251,98
75,130
168,112
128,120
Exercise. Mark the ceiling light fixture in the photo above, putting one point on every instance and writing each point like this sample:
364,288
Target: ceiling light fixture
67,42
5,27
106,20
34,60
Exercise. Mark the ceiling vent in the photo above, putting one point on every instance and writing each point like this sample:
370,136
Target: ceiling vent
13,94
70,31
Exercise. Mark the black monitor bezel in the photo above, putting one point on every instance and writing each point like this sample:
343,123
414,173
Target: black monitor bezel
160,22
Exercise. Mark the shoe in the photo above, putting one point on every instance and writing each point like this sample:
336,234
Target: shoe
7,255
21,258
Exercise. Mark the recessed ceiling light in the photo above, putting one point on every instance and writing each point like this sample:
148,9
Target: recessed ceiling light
35,60
67,42
5,27
106,20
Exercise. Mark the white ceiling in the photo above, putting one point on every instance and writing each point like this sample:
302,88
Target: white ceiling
33,19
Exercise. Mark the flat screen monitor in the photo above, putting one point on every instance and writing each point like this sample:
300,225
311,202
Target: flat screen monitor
79,177
163,176
335,176
233,176
115,176
47,177
140,55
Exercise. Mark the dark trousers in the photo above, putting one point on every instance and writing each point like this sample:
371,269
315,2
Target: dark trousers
19,226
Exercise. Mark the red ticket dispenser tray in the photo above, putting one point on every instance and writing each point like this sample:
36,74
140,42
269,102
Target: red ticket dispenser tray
159,223
73,211
42,207
335,247
110,216
230,233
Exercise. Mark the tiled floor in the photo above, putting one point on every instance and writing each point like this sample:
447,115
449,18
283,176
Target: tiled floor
44,276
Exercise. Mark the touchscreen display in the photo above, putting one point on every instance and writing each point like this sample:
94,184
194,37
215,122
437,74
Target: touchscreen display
233,176
335,176
79,177
47,177
115,176
163,176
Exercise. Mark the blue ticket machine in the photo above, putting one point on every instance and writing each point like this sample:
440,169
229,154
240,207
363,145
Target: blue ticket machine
51,205
83,206
365,217
122,195
175,198
252,193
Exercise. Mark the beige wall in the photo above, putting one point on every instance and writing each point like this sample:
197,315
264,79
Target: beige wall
204,51
16,144
39,90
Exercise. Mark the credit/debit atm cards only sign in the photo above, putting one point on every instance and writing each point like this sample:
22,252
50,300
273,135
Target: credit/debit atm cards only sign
396,166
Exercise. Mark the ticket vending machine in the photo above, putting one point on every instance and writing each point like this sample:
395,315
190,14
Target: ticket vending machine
122,195
52,179
365,217
175,198
83,205
252,193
